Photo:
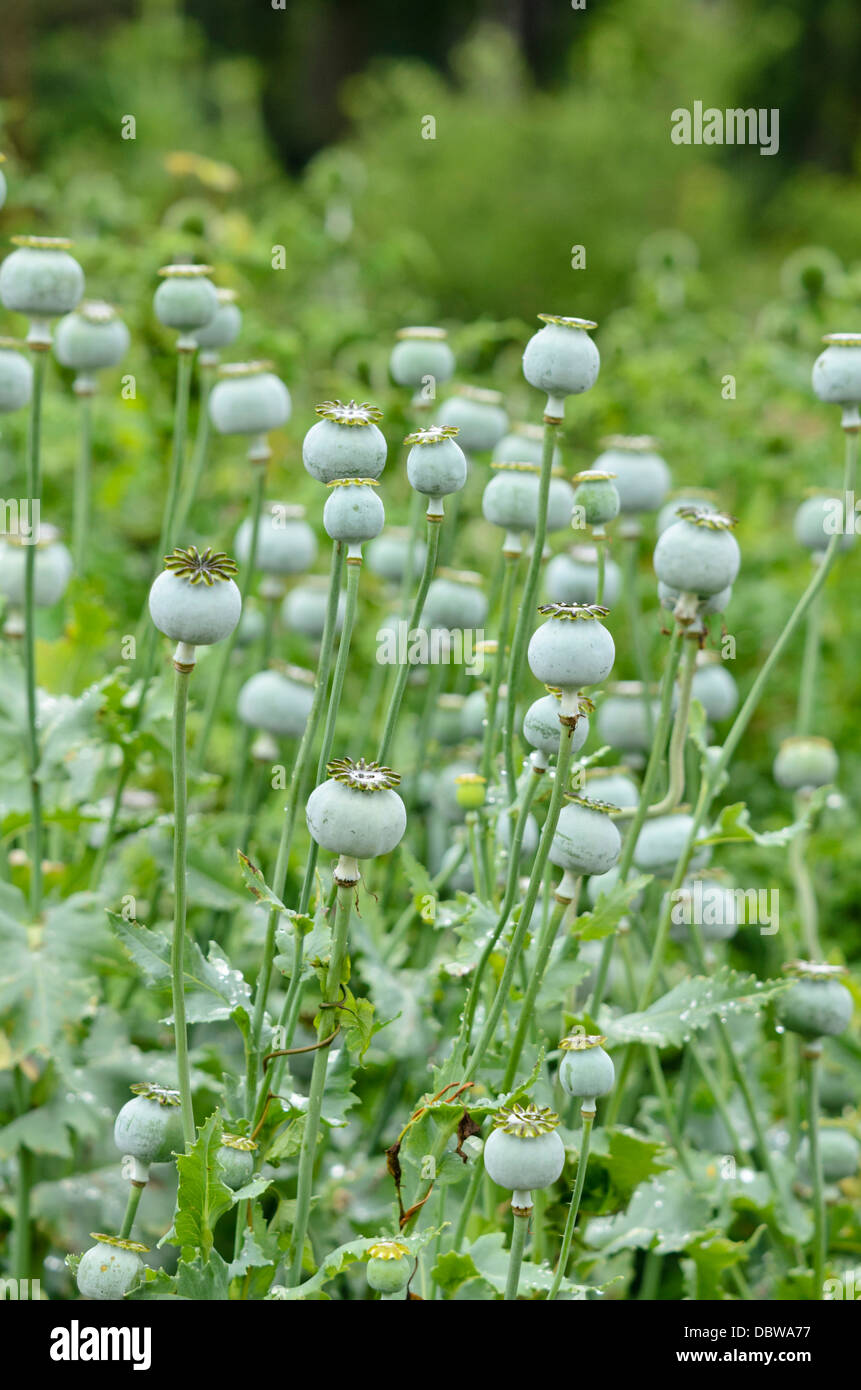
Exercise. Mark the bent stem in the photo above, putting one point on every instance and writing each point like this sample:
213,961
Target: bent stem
331,991
587,1112
34,489
434,521
519,1233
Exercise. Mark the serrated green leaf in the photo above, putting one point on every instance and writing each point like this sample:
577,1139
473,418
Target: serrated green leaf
201,1196
665,1214
610,908
340,1259
690,1006
733,825
257,885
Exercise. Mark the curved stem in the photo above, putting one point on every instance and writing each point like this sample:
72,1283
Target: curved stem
34,490
180,791
400,682
588,1115
518,1245
676,758
81,514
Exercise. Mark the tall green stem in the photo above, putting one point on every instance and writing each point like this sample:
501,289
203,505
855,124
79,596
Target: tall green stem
180,793
588,1113
519,1233
809,667
630,556
403,671
811,1076
170,517
135,1193
562,906
510,561
206,377
81,515
34,490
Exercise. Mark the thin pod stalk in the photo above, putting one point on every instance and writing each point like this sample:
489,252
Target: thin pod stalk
587,1112
34,490
183,669
434,520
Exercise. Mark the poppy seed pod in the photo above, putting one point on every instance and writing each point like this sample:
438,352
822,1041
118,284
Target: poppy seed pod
110,1267
186,299
16,376
820,518
275,703
345,442
597,496
572,649
357,813
236,1160
524,444
524,1151
541,726
248,399
194,600
421,357
816,1004
586,1070
562,360
223,328
473,714
389,1266
715,687
642,477
698,554
597,884
714,603
572,577
661,841
805,762
586,839
353,512
613,785
511,498
839,1151
304,608
455,601
436,464
504,828
477,415
710,904
387,555
91,338
53,568
149,1126
286,544
837,370
40,278
446,794
670,510
446,718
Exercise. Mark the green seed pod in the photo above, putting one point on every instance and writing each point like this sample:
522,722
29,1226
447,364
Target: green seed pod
40,278
621,719
194,600
572,577
669,513
473,715
53,568
572,649
525,444
836,1086
511,498
223,328
389,1266
149,1126
715,603
345,442
641,475
421,358
16,376
662,840
470,790
541,726
286,544
612,784
91,338
436,464
596,493
248,399
304,608
805,761
586,839
455,601
816,1004
276,704
477,415
714,686
236,1160
524,1152
839,1151
820,518
505,829
357,813
387,555
837,370
586,1070
698,554
561,359
353,512
110,1267
186,299
445,791
711,905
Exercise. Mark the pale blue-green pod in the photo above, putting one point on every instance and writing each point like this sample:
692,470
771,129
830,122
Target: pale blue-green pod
622,720
711,905
186,299
275,703
357,813
16,376
597,497
806,761
194,600
40,278
820,518
642,477
478,416
236,1160
586,1070
304,609
436,464
524,1151
444,795
389,1266
816,1005
839,1151
572,649
91,338
387,554
511,497
149,1126
541,726
53,569
345,442
455,601
613,785
421,359
109,1268
286,544
223,328
572,577
713,603
354,511
670,510
505,829
660,844
715,688
523,444
698,554
586,840
248,399
446,718
561,359
473,715
837,370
